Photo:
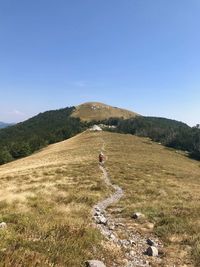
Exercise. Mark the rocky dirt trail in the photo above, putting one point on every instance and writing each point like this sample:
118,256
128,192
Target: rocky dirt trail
134,246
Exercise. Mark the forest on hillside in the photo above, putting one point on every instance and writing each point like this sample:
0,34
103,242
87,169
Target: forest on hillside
50,127
170,133
46,128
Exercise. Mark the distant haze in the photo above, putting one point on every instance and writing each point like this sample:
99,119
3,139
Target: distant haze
4,125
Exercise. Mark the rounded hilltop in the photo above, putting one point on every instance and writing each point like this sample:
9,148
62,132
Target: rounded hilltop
98,111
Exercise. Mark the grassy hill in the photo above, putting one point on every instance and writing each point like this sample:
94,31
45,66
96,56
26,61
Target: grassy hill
99,111
53,126
46,201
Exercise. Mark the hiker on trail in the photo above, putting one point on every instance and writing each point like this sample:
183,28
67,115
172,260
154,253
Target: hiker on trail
101,158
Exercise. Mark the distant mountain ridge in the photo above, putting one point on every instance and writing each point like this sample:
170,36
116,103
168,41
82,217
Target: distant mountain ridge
4,124
96,111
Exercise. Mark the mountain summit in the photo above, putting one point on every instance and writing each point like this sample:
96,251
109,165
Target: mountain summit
98,111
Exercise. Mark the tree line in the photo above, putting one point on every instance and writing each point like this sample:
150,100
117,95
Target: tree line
170,133
46,128
50,127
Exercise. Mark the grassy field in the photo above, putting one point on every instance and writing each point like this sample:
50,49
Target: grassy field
164,185
46,200
98,111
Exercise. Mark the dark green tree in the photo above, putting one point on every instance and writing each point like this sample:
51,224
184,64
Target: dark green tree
5,156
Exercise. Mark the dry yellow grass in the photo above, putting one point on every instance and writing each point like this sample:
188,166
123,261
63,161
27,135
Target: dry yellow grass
46,200
98,111
165,186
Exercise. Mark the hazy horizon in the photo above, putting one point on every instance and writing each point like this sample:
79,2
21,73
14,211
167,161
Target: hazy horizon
138,55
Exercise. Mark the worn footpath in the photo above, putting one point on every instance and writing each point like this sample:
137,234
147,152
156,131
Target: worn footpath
135,247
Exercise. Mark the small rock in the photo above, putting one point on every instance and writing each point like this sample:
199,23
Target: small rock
112,227
150,242
132,242
3,225
97,213
97,209
112,237
101,219
137,215
95,263
152,251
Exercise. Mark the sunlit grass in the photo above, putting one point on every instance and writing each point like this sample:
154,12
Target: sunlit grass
163,185
46,201
52,224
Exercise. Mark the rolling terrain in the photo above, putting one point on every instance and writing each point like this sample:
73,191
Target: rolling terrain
46,200
52,126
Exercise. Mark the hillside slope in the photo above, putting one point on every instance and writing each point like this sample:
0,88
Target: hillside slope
46,200
37,132
50,127
99,111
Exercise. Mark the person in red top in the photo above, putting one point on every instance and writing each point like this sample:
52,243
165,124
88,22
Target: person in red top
101,158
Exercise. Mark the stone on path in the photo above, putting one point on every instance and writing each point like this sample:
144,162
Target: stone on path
152,251
150,242
101,219
95,263
111,227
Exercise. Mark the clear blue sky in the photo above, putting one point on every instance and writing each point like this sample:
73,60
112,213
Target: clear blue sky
138,54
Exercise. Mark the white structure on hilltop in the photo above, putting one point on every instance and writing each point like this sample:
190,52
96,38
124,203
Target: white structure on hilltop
95,128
